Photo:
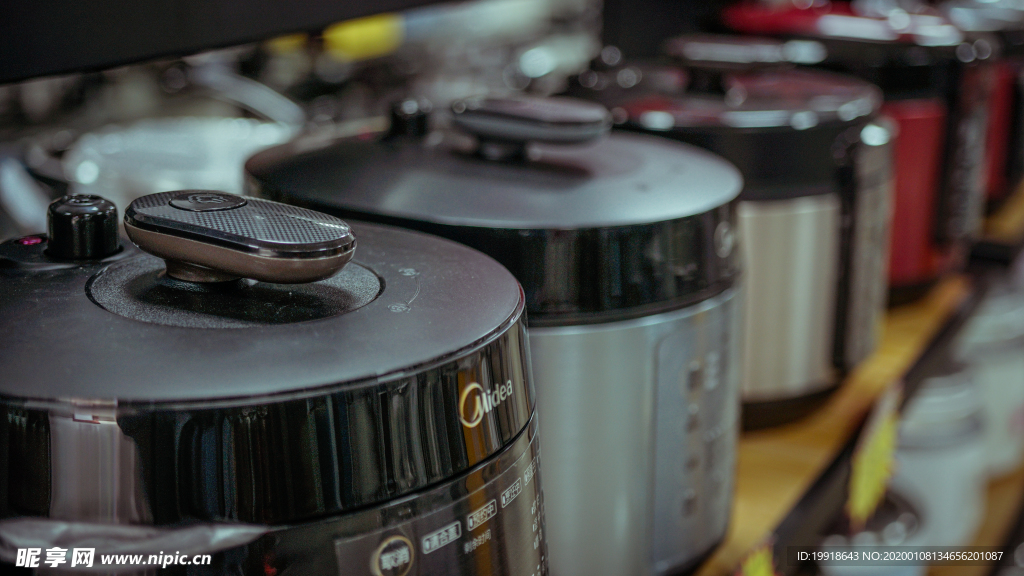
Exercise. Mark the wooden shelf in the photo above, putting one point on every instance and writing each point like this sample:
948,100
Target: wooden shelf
1004,230
776,467
1007,224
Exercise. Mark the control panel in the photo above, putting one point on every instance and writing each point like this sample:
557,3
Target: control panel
695,429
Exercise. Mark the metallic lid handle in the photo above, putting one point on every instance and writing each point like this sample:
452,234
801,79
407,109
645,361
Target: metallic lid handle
742,52
709,57
209,236
508,124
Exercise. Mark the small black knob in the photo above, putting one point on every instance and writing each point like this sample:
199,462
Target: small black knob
410,118
82,227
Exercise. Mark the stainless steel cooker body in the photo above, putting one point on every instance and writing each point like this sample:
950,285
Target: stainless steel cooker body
813,218
640,415
301,428
816,258
867,255
791,251
625,246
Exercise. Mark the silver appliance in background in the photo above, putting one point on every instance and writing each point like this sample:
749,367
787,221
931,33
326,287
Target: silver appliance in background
625,246
264,392
160,154
444,52
815,212
941,460
197,138
136,130
992,345
188,122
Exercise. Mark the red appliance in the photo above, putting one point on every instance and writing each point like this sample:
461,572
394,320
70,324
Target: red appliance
939,104
1000,127
914,256
1002,24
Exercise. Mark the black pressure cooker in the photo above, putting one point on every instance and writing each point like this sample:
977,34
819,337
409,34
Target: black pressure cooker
258,390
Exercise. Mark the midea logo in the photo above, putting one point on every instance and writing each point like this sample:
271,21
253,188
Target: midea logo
474,402
206,199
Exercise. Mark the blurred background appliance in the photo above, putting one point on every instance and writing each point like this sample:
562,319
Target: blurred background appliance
992,344
370,418
171,123
161,154
896,523
1001,23
937,84
814,215
48,38
625,248
151,107
941,459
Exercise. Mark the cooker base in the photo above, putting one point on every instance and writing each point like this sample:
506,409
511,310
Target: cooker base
993,204
770,413
900,295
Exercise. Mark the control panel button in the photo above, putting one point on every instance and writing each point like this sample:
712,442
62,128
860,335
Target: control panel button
510,494
693,418
711,373
692,463
695,376
481,515
689,505
442,537
393,557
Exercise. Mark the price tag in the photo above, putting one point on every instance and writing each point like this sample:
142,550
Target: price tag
873,459
759,562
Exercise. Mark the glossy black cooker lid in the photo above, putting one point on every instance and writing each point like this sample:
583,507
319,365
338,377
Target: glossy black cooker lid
406,367
999,23
741,97
800,118
164,342
595,227
741,82
984,15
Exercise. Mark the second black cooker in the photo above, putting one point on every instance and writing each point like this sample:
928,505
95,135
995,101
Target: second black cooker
625,246
815,210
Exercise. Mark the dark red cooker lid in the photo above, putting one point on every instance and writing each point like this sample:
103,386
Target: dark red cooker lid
908,55
838,20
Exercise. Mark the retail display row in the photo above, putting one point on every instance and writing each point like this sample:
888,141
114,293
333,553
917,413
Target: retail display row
792,482
466,290
1004,232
